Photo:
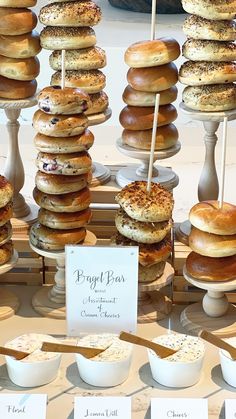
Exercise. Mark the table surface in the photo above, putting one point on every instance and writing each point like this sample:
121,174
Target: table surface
140,385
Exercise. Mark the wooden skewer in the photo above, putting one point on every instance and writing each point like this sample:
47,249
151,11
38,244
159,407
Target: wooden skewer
153,24
58,347
63,70
13,352
223,161
154,132
214,340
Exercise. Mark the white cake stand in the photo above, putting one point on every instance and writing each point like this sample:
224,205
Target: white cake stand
25,214
50,301
101,174
9,303
165,176
208,187
215,313
152,305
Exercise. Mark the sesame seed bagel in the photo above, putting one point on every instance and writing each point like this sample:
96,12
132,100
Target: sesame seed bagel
70,202
60,184
79,59
59,125
54,100
64,221
6,191
70,13
198,50
62,145
197,27
211,269
211,9
141,118
6,252
98,103
166,137
58,38
134,97
5,232
208,216
64,164
212,245
6,213
198,73
91,81
210,98
141,232
153,206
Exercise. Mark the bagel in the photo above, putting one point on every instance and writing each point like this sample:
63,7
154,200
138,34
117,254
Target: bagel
212,245
66,203
208,216
141,232
70,13
58,38
141,118
134,97
198,50
98,103
17,3
141,205
59,125
211,9
197,27
64,221
212,98
6,252
20,46
5,232
6,213
60,184
53,239
79,59
64,164
153,79
23,69
91,81
166,137
16,89
16,21
148,274
198,73
6,191
69,100
152,53
210,269
63,145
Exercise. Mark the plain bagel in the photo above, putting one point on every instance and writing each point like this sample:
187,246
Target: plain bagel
54,100
64,221
16,21
60,184
91,58
134,97
198,73
197,27
64,164
70,202
166,137
153,79
53,239
16,89
20,46
152,53
198,50
58,38
211,9
212,245
17,3
211,269
23,69
60,145
210,98
70,13
59,125
141,118
91,81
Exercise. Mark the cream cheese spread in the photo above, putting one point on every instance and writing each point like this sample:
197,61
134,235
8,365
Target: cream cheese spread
189,348
117,349
32,342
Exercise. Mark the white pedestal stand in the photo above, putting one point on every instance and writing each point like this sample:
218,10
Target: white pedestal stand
214,313
9,303
166,177
208,187
152,305
25,214
50,301
101,174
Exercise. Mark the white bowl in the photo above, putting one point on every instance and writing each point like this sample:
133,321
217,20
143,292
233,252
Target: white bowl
37,369
228,365
182,369
111,367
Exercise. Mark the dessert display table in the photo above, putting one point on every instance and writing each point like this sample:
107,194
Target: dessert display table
9,302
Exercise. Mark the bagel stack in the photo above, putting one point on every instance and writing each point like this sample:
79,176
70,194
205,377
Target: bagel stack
64,168
145,220
210,72
213,242
68,26
19,45
6,212
151,71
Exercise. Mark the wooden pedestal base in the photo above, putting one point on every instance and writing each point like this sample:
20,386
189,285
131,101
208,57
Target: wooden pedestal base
101,174
43,304
9,304
23,224
182,232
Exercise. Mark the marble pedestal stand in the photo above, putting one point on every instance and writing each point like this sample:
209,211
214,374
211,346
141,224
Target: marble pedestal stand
208,187
101,174
9,303
50,301
153,305
25,214
215,313
165,176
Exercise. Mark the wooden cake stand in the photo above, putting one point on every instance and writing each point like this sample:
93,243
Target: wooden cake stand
208,187
163,175
152,305
25,214
214,313
50,301
9,303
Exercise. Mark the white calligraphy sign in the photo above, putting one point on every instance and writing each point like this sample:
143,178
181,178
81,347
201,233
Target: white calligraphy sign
179,408
230,409
101,289
23,406
102,407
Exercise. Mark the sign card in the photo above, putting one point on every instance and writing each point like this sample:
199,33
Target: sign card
102,407
230,409
179,408
101,289
23,406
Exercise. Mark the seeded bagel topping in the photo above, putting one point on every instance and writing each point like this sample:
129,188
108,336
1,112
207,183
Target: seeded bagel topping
79,13
58,31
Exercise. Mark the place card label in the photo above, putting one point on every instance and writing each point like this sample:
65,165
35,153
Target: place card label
101,289
23,406
102,407
179,408
230,409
